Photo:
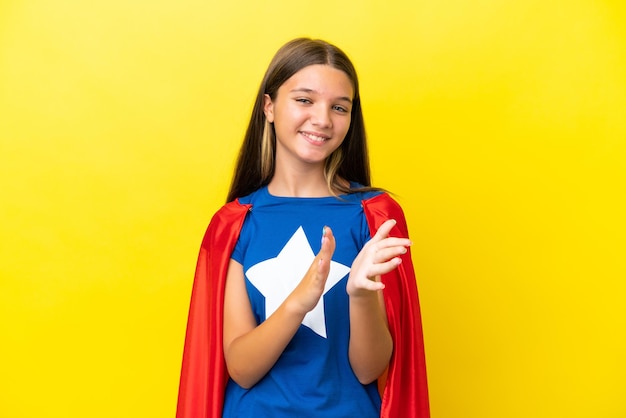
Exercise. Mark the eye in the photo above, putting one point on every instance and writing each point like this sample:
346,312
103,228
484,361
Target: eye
341,109
303,100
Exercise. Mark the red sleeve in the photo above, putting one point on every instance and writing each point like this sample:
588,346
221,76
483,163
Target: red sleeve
405,391
203,374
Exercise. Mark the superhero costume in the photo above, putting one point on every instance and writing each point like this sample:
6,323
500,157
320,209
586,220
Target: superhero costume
204,374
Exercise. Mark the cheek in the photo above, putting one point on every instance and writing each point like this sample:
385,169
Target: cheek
291,115
344,126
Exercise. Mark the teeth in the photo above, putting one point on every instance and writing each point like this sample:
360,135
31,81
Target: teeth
314,137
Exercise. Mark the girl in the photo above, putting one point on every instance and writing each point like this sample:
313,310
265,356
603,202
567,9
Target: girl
304,300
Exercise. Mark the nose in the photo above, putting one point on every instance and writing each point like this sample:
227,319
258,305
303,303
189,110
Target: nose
321,117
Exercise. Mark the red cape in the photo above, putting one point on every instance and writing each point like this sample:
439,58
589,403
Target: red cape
204,375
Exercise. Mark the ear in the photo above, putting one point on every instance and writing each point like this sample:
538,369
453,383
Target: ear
268,108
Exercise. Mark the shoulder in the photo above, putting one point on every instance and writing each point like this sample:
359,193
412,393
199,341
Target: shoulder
257,197
382,202
358,192
382,207
226,222
231,210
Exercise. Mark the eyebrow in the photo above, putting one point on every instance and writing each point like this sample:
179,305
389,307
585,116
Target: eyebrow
307,90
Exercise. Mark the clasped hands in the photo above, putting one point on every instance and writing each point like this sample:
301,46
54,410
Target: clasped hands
380,255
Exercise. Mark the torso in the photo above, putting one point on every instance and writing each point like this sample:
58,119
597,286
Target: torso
278,242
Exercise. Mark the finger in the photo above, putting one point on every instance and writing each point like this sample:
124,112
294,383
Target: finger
388,248
386,267
387,254
328,242
392,242
326,252
323,268
384,229
372,285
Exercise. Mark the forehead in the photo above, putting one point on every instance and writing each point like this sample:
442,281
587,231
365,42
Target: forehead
321,79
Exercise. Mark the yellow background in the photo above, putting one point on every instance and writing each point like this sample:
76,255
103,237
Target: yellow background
500,125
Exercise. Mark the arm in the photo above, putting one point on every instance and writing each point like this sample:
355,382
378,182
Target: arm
371,345
250,350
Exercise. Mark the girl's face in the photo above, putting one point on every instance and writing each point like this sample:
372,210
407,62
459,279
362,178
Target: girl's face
311,114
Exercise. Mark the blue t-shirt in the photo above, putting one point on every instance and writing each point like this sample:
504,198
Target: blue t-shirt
278,241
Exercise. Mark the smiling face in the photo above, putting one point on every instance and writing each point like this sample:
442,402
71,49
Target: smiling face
311,115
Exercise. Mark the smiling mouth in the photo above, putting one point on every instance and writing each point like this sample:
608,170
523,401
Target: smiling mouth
315,138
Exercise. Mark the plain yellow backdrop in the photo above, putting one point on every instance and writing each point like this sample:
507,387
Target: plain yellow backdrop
499,124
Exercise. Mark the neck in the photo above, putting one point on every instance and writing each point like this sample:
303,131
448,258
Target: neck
304,183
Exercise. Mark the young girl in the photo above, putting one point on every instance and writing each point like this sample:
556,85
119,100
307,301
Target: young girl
304,302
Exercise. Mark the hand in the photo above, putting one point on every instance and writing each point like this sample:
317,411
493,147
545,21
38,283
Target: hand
379,256
311,288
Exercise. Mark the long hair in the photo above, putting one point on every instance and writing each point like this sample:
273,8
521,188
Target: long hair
256,161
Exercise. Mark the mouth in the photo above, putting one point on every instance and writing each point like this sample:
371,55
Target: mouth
315,138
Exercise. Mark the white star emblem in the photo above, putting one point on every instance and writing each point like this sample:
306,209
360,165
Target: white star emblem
277,277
